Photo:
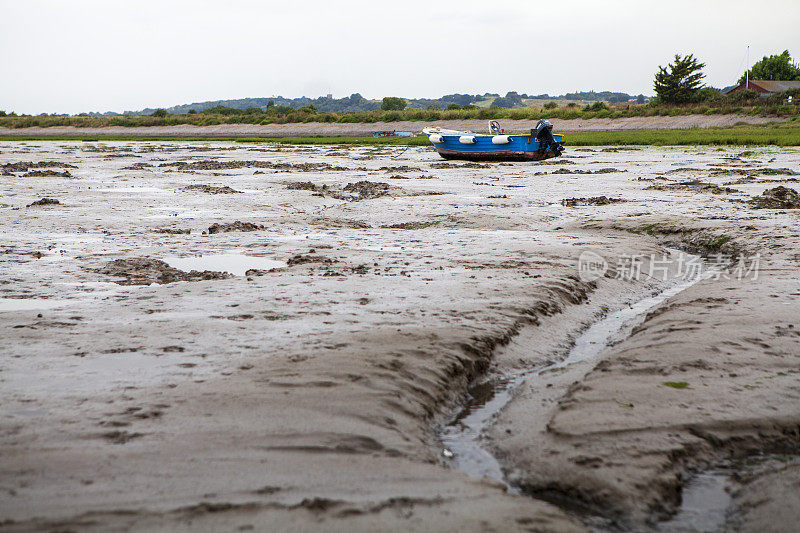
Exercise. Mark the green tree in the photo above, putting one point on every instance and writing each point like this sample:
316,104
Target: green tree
159,113
679,82
597,106
392,103
708,94
774,67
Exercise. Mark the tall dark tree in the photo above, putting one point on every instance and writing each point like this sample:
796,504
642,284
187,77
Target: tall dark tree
393,103
774,67
679,82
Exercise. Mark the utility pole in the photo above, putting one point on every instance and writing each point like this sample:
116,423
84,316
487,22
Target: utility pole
747,72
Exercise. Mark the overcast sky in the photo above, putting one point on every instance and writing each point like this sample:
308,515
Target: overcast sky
74,56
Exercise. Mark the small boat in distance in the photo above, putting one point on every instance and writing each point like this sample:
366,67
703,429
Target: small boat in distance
392,134
496,145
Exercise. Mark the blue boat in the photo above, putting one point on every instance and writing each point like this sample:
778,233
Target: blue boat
496,145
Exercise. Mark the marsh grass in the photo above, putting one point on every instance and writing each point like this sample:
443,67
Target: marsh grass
764,135
777,135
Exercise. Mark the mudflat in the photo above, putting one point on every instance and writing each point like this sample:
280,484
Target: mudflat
220,337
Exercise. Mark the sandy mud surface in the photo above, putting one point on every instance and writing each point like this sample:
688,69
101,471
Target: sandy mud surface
362,129
214,337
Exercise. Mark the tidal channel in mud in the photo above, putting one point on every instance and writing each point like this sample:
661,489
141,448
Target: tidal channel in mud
704,503
463,437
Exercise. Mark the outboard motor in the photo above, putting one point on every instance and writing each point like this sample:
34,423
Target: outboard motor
544,134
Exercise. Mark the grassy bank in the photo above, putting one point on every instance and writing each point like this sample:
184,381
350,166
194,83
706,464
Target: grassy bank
738,135
783,135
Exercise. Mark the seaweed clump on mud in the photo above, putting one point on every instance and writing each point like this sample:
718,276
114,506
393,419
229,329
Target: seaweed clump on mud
24,166
363,190
230,165
311,257
302,186
144,271
174,231
579,171
234,226
458,165
594,200
44,201
693,185
210,189
777,198
352,192
47,173
417,224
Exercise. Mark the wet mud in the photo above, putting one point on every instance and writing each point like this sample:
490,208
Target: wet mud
282,358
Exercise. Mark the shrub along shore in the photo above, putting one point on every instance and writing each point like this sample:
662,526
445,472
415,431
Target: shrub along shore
744,103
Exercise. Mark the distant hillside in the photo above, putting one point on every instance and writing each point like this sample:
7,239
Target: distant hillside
356,102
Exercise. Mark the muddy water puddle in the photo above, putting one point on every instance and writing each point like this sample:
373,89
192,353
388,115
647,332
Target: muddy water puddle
704,503
232,263
464,437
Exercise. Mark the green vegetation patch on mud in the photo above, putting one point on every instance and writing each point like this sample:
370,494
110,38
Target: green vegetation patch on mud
676,384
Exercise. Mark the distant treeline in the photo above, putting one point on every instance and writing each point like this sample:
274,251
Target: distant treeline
712,102
356,102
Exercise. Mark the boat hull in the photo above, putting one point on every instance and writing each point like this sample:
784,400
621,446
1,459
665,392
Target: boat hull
495,155
483,148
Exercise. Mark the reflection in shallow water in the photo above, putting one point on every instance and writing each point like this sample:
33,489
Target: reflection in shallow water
232,263
704,502
29,304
